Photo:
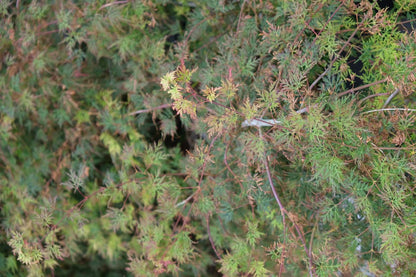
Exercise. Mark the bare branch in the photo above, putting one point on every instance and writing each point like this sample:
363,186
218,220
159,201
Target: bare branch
371,96
211,240
283,211
362,87
390,109
391,97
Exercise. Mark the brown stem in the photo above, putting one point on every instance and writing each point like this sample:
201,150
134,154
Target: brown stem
283,211
229,169
326,23
195,194
239,17
361,87
371,96
211,240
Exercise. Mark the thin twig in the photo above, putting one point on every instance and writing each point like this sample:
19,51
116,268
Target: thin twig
302,238
201,177
307,23
125,200
407,21
239,17
211,40
229,168
39,34
283,211
188,36
313,233
187,199
361,87
326,23
391,97
211,240
371,96
276,196
390,110
375,146
205,161
336,57
394,148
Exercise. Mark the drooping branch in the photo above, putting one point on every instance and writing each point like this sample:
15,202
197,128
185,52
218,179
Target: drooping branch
211,240
283,211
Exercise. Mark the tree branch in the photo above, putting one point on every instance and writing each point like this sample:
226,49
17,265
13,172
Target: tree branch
361,87
211,240
283,211
391,97
390,109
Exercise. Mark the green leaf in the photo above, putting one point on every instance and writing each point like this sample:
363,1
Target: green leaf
258,270
111,143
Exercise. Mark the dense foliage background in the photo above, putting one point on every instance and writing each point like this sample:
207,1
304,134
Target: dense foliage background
131,146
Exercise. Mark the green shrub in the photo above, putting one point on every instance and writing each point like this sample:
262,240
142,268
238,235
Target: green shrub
207,138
